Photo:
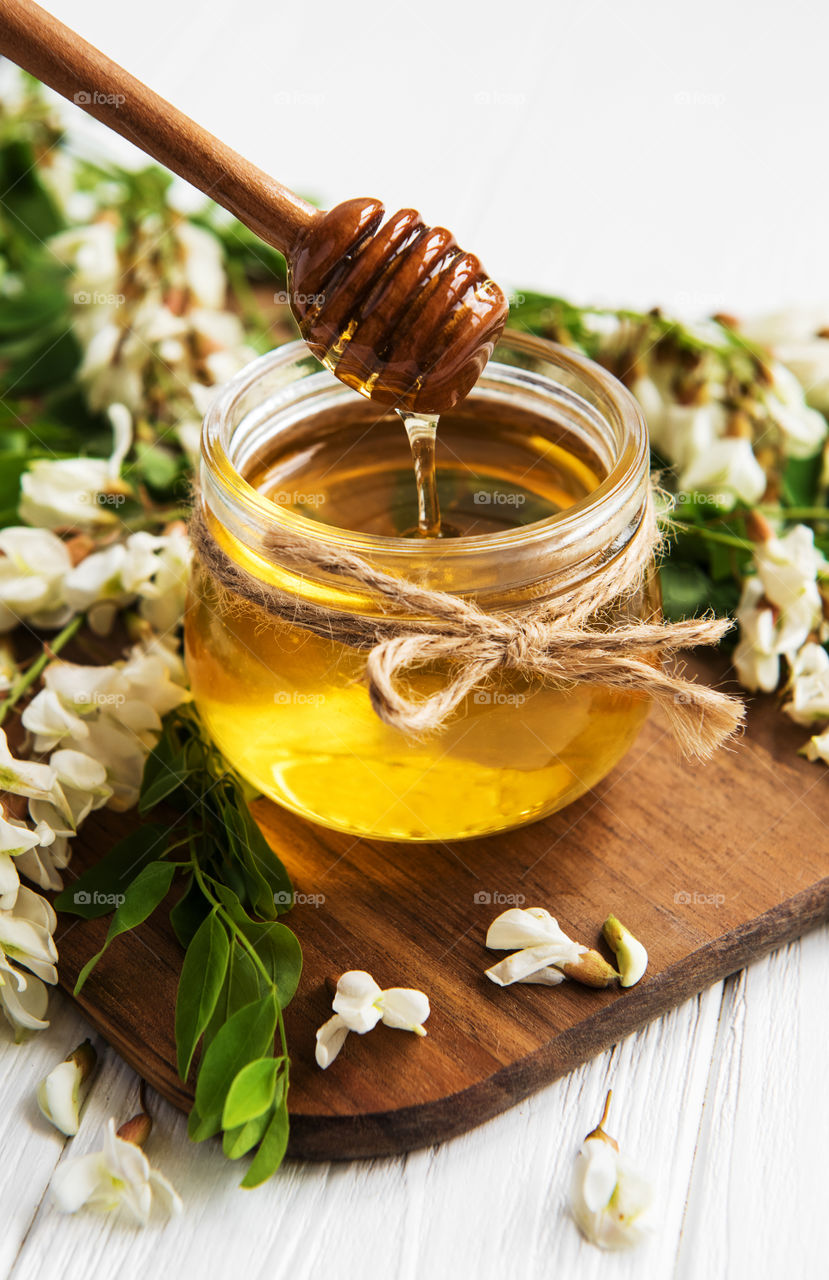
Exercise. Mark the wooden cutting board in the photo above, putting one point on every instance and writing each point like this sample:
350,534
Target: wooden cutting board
710,866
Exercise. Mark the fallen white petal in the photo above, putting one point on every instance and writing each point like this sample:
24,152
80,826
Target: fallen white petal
331,1037
517,967
405,1009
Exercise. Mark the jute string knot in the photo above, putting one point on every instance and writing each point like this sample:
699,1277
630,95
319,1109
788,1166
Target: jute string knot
567,639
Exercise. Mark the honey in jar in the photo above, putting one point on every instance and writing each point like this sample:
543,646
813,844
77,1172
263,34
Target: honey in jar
540,472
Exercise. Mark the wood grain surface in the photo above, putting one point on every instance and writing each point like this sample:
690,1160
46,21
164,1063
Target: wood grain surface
710,866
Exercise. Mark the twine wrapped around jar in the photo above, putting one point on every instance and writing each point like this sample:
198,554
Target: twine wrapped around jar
559,640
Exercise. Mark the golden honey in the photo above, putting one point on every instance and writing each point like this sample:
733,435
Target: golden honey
289,707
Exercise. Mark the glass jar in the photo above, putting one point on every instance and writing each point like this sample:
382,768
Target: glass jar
288,706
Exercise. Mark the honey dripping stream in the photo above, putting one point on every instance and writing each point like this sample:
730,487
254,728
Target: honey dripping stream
422,432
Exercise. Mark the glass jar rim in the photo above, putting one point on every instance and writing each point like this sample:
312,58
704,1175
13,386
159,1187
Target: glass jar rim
581,534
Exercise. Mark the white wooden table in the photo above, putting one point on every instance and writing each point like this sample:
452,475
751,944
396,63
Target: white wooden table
723,1101
637,137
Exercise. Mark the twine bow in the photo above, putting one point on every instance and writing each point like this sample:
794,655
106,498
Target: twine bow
568,639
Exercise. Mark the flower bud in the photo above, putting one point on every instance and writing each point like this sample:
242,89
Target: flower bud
591,969
631,956
59,1094
137,1130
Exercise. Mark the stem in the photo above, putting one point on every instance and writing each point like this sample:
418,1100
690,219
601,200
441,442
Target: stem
231,924
796,513
152,518
712,535
27,678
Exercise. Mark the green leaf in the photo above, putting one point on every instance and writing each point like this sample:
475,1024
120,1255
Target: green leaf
91,894
269,865
53,360
156,466
140,899
275,945
252,1092
163,785
257,891
279,950
801,481
687,591
189,912
238,1142
199,987
271,1150
248,1034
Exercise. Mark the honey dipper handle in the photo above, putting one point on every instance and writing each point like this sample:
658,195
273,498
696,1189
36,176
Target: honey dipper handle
62,59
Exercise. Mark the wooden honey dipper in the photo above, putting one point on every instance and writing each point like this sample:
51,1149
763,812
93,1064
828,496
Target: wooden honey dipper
397,310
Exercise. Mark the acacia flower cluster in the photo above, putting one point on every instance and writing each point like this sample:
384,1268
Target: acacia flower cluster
781,617
94,727
40,584
716,435
151,316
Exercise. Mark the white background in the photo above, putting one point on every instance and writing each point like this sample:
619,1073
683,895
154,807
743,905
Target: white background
626,152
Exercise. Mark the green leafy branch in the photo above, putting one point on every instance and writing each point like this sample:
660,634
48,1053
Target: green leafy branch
241,965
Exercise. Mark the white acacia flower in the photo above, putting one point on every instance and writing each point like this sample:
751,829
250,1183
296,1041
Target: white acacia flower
541,947
71,493
757,654
96,587
788,567
164,595
809,700
360,1004
152,569
83,781
797,338
155,675
28,778
803,428
92,252
727,468
119,1176
609,1199
15,839
113,718
202,265
65,493
33,566
51,721
26,940
59,1093
42,863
